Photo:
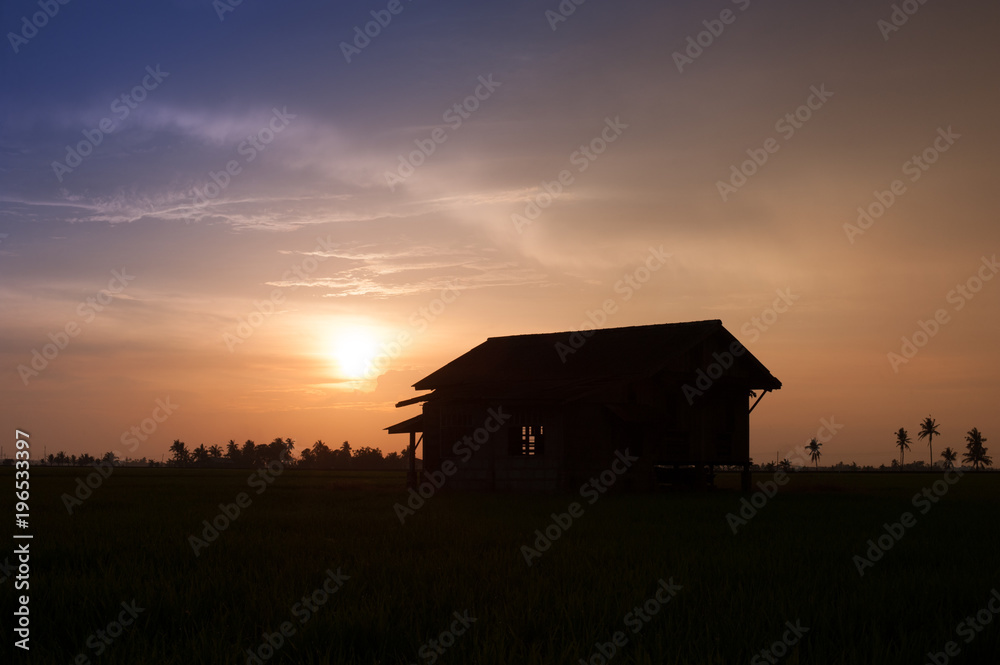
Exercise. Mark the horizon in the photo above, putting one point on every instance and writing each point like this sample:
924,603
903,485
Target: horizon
243,227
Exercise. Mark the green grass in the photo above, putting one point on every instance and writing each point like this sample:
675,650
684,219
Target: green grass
793,561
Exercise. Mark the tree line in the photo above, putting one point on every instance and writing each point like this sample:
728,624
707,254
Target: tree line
976,453
319,456
322,456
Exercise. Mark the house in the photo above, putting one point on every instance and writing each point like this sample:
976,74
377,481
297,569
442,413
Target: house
546,412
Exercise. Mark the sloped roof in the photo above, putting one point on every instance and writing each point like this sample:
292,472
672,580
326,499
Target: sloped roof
607,354
414,424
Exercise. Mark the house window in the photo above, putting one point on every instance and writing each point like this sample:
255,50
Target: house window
528,440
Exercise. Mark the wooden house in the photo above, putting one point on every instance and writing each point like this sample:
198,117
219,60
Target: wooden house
546,412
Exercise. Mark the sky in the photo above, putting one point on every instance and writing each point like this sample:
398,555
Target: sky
217,218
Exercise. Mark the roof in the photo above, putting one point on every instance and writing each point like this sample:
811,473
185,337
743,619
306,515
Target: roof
607,354
414,424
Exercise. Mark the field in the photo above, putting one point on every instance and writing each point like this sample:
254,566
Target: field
725,597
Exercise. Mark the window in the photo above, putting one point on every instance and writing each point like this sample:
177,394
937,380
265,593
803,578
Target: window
528,440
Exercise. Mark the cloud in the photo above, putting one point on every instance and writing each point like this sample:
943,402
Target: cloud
401,271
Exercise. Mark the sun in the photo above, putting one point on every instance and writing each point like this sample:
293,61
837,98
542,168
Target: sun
353,350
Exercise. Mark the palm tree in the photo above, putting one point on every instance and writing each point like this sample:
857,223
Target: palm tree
215,452
200,454
323,457
903,443
928,430
949,456
343,455
180,452
814,453
249,453
977,451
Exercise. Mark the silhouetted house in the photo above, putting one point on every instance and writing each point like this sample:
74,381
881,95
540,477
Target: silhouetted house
675,395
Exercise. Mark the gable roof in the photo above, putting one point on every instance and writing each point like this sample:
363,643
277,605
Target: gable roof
607,354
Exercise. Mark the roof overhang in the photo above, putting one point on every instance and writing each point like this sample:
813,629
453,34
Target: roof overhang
414,424
415,400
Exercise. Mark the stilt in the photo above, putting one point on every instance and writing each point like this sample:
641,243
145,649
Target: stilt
411,474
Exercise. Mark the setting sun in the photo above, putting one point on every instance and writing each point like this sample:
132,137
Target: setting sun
353,350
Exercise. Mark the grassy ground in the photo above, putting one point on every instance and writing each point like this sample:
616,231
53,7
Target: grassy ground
792,562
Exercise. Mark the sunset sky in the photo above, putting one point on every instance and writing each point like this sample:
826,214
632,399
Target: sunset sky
112,225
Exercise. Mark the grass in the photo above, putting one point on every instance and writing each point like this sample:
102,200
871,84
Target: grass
791,562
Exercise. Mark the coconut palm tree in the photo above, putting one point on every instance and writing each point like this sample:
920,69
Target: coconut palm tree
928,430
814,453
949,456
903,443
976,456
215,452
249,453
180,453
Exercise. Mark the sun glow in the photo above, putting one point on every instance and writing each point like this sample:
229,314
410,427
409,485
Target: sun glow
353,350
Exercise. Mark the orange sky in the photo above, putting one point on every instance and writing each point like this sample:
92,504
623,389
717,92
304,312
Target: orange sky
310,229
